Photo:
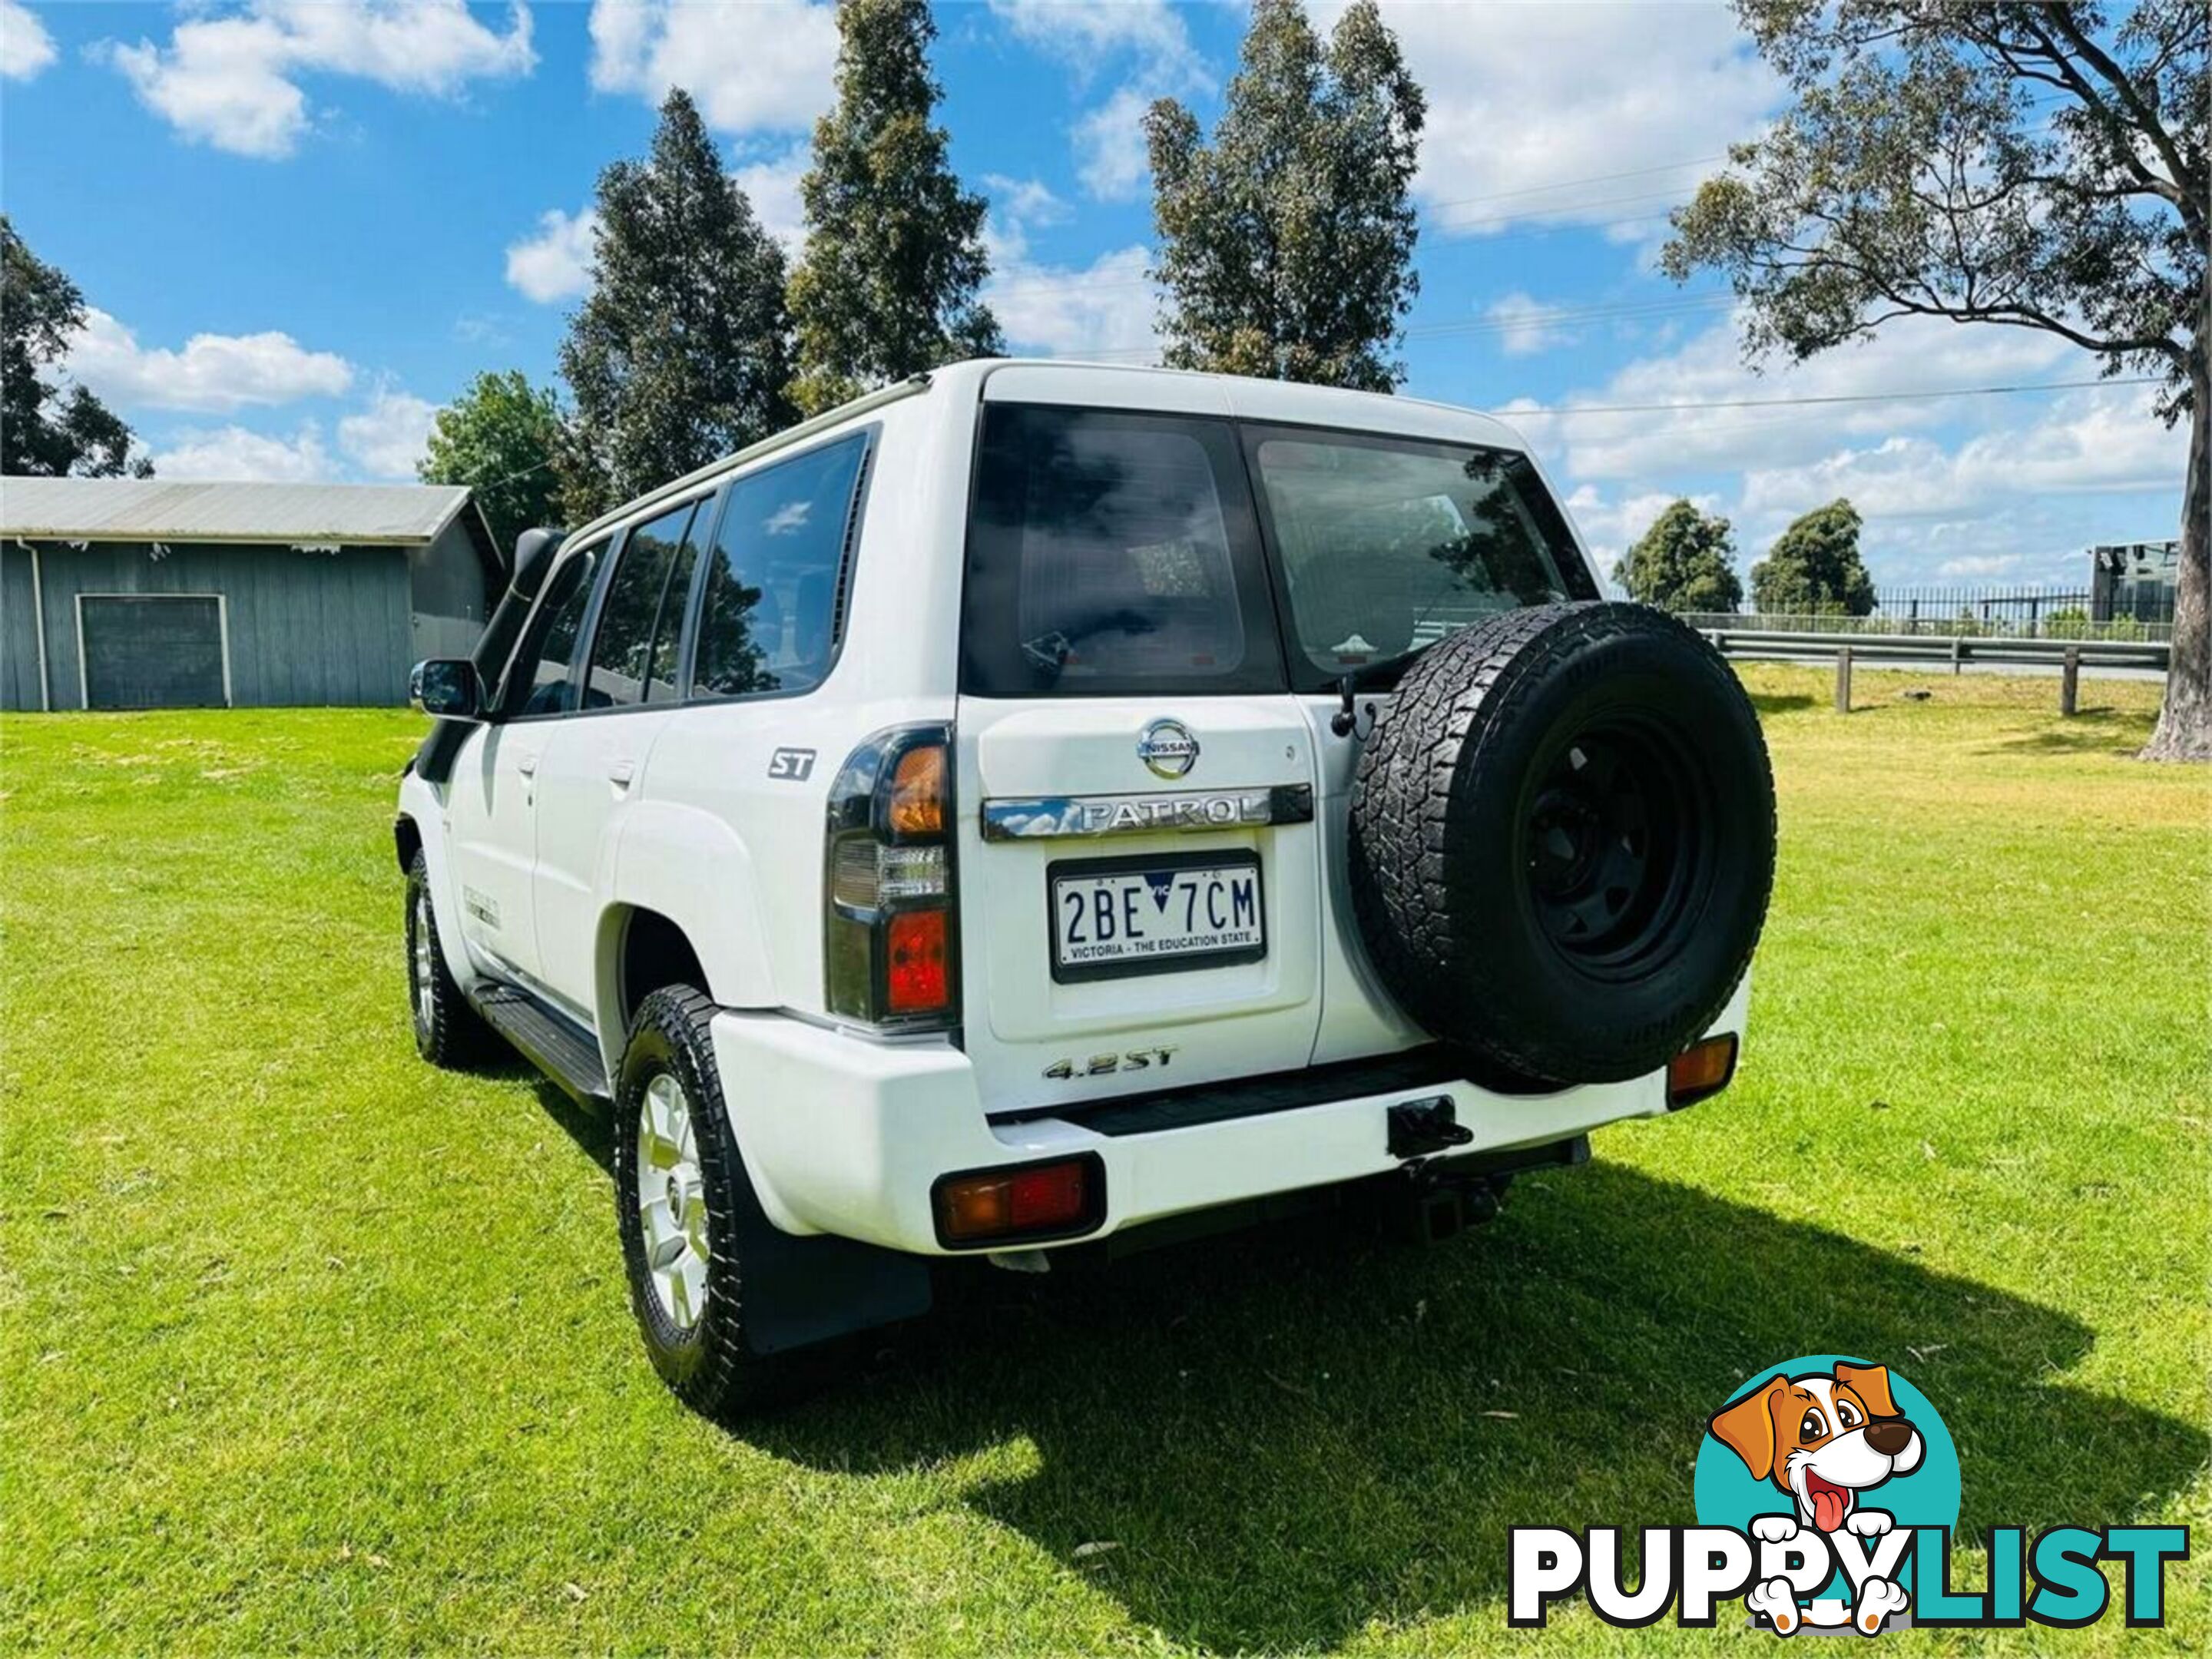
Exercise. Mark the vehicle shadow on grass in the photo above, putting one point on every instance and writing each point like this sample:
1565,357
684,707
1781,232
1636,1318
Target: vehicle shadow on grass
1286,1440
1779,702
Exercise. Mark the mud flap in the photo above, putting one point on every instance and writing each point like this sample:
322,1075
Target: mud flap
802,1290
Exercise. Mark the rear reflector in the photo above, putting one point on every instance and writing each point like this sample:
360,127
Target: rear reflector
915,979
1028,1201
1702,1069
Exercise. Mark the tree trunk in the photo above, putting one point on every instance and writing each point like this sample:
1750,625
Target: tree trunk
2183,732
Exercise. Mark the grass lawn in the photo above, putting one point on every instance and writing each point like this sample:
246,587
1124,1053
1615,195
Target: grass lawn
305,1346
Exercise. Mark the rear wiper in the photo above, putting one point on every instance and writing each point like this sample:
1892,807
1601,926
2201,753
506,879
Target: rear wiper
1345,721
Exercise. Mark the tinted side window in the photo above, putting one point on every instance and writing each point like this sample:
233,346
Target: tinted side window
768,621
622,648
1112,553
541,675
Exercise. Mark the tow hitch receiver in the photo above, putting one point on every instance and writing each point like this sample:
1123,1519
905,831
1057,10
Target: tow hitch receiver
1418,1128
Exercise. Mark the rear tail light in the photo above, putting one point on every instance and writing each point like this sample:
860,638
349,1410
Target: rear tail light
891,944
1702,1069
1025,1202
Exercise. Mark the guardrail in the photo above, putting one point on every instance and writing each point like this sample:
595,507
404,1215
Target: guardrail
2068,657
2064,629
1956,649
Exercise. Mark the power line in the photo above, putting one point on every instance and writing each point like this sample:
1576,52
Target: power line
1623,311
1523,412
1592,179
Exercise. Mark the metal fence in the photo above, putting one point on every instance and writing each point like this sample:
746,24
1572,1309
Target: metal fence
2060,624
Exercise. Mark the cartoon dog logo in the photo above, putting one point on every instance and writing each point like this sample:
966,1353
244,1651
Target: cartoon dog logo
1823,1439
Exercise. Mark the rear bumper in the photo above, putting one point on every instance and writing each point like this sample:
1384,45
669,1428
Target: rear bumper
846,1136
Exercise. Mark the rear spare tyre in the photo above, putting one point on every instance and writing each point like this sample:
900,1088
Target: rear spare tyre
1562,840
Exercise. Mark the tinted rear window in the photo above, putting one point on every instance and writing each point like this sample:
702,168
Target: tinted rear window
1112,553
1386,544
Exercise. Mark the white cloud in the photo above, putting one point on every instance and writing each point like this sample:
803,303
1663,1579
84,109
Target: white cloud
1913,354
1029,200
231,79
25,46
2006,488
214,372
1083,34
772,186
1151,38
1524,97
2088,441
1526,325
556,263
232,452
767,64
1110,157
387,439
1980,564
1105,307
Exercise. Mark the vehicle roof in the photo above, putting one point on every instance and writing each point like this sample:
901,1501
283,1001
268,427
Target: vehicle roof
1289,401
1055,380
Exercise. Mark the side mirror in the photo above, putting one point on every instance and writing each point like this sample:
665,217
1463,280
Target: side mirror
446,687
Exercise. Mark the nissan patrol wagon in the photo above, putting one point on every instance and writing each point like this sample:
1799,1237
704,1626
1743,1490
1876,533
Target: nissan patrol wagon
1040,807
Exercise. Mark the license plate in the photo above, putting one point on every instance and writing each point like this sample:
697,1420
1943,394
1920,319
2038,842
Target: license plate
1112,917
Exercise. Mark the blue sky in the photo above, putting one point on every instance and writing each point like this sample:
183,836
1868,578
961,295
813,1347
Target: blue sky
303,225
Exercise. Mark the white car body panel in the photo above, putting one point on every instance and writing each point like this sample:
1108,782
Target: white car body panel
552,832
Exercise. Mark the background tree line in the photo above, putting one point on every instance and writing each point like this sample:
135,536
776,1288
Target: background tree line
1686,562
1286,249
2025,167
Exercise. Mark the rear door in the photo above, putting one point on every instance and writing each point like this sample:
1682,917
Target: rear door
1383,543
594,765
1139,879
492,802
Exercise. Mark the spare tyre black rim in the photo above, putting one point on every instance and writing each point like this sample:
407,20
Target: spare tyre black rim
1615,865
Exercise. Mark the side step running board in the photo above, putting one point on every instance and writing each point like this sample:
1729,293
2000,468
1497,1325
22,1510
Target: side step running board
549,1039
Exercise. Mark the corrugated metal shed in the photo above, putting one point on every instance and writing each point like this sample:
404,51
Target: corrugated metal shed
151,510
131,593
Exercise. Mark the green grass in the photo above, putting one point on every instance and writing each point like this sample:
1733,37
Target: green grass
305,1346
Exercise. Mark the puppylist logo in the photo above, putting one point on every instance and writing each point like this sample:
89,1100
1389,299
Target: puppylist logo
1827,1490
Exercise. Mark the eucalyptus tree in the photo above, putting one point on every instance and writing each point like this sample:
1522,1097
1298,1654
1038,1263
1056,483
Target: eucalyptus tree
888,283
1684,563
1286,243
682,351
2035,167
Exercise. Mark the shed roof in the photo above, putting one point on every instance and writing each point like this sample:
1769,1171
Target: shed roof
154,509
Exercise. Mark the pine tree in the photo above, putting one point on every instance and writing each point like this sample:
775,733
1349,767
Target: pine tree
1286,246
682,353
502,438
1813,568
887,285
1684,563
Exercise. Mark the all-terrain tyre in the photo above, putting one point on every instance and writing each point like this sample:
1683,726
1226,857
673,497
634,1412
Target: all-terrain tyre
1562,840
448,1030
681,1192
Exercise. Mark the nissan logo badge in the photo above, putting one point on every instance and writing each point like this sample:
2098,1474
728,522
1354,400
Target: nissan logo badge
1167,748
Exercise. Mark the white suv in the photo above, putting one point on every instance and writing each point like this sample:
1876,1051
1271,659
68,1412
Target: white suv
1042,806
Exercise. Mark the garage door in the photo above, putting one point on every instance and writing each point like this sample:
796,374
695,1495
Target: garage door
152,651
